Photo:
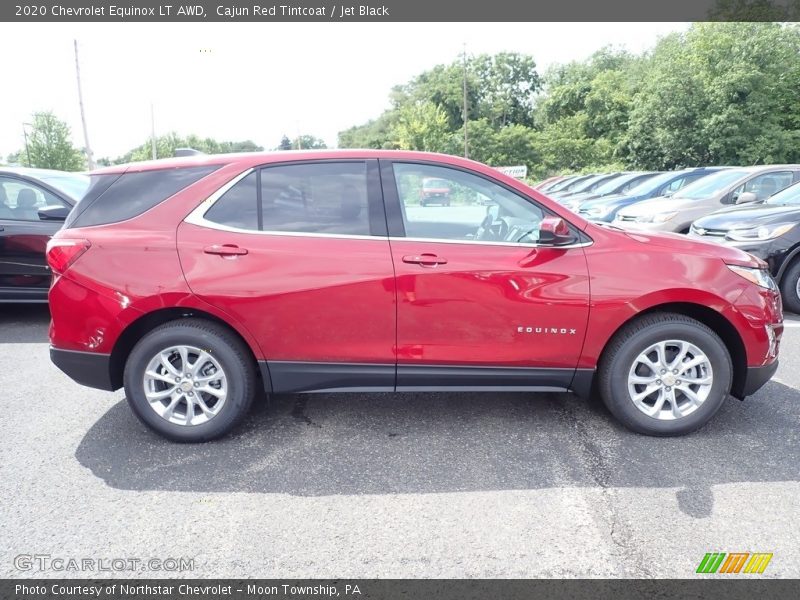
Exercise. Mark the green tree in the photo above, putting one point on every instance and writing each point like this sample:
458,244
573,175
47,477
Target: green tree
286,144
50,146
722,93
421,126
168,143
309,142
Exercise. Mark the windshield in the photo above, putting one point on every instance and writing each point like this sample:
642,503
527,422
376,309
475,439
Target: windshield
73,185
788,197
560,185
711,185
434,183
652,184
612,185
585,185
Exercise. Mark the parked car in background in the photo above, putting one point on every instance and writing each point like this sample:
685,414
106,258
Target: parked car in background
566,186
770,231
737,185
558,184
620,184
586,186
550,181
666,184
33,206
225,289
434,191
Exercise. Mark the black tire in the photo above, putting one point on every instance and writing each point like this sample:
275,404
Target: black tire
225,348
791,299
634,339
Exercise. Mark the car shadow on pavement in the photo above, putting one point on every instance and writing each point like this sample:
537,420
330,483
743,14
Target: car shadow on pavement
331,444
23,323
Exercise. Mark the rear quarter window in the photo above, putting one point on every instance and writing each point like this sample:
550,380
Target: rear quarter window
113,197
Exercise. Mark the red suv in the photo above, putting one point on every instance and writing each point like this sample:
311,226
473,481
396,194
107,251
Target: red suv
193,282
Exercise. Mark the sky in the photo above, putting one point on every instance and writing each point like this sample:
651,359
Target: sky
258,81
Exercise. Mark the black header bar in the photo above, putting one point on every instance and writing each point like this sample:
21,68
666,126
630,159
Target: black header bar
397,10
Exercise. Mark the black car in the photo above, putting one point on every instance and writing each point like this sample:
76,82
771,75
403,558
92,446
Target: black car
33,206
770,231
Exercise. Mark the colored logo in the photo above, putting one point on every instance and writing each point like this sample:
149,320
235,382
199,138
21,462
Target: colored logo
734,562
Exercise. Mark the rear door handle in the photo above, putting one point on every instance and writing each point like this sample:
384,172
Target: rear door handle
225,250
426,260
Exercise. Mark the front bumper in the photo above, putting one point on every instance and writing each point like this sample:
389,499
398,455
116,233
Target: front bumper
754,380
87,368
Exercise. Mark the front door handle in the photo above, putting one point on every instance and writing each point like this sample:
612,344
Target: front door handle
426,260
225,250
2,228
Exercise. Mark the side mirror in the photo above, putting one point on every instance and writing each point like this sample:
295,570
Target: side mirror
746,197
554,231
53,213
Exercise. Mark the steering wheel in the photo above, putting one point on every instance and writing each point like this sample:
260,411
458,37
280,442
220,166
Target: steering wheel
486,225
491,229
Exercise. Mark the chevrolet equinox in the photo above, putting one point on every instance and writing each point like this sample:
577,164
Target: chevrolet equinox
192,282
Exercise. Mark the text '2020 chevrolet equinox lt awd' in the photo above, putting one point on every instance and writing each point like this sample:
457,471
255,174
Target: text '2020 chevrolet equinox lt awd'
193,281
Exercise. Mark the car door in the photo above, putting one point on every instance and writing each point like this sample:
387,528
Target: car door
23,238
480,304
299,254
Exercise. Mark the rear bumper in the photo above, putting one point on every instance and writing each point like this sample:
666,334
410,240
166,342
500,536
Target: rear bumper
755,378
87,368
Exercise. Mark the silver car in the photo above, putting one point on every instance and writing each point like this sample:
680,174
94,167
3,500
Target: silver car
738,185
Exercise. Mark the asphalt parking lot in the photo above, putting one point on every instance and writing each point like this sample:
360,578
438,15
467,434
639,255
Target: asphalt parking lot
380,485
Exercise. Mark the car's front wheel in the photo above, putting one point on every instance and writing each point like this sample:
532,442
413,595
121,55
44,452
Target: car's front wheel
790,287
665,374
190,380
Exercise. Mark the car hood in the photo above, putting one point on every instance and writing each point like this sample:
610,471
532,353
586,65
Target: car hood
657,205
682,244
745,217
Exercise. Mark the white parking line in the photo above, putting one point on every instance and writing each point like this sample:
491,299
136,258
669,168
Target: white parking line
791,323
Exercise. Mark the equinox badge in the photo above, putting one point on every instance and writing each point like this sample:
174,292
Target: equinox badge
550,330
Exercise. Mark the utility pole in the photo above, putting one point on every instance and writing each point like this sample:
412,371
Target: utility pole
27,150
153,130
466,115
89,157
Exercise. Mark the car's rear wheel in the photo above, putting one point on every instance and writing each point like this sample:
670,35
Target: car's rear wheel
665,374
790,287
190,380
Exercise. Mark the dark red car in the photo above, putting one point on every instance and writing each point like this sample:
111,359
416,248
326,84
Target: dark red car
194,281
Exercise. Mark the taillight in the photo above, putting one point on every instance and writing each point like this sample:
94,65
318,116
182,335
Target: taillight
62,252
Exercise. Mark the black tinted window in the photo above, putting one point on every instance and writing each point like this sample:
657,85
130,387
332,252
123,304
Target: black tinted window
131,194
238,206
316,198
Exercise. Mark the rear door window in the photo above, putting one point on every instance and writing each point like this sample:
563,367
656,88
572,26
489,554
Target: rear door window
315,198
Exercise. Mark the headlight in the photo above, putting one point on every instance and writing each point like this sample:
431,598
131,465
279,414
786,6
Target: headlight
766,232
760,277
656,218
